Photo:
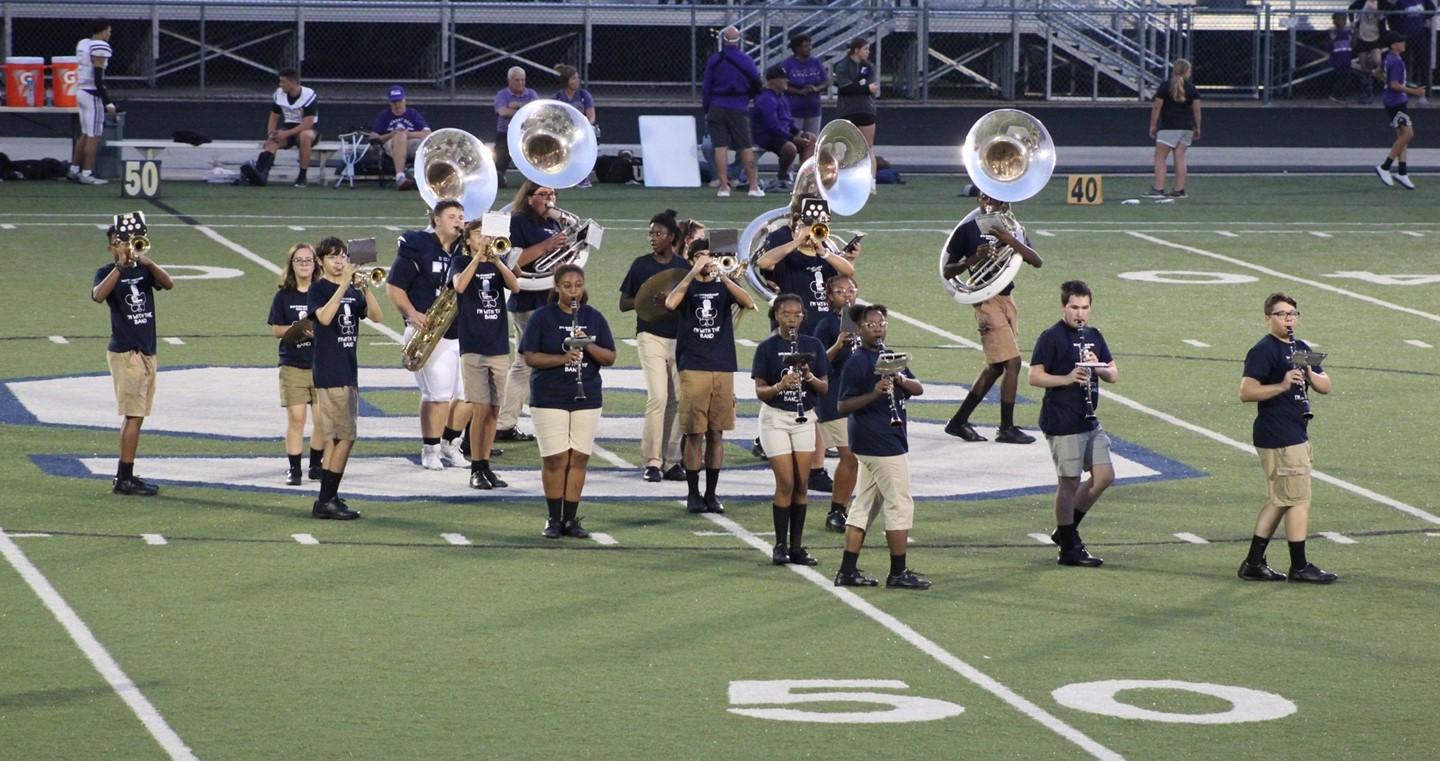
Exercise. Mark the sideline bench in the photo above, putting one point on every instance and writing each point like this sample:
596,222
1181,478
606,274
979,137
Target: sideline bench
151,149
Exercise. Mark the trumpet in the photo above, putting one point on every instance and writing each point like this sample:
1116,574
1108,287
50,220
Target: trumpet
820,231
374,278
140,244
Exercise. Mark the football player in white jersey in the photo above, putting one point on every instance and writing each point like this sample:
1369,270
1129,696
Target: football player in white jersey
292,124
93,54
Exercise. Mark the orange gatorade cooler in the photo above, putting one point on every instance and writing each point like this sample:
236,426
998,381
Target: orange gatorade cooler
64,73
24,82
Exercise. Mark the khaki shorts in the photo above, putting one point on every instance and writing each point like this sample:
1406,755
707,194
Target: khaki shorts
1079,452
883,485
999,324
337,409
780,434
411,145
133,373
484,376
836,433
558,431
707,401
297,386
1287,474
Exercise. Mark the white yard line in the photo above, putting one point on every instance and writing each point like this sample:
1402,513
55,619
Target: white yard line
1186,536
99,657
456,539
156,539
928,646
305,538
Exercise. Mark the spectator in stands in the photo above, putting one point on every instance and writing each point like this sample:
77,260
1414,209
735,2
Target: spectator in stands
775,131
858,87
730,78
400,129
293,117
1414,23
1174,123
1369,23
808,81
509,100
1342,58
571,94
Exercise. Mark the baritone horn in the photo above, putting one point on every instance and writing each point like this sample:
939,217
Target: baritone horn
1009,156
554,145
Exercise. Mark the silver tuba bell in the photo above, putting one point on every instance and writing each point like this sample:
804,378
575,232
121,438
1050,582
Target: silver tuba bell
553,144
453,164
1009,156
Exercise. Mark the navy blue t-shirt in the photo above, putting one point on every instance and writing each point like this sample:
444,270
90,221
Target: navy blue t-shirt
132,309
1279,420
826,332
706,338
768,367
870,431
804,276
963,244
481,318
642,269
1062,412
288,308
335,359
420,270
524,233
554,387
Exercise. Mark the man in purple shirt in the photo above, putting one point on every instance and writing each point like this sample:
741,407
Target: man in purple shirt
1395,100
507,102
774,128
399,130
730,78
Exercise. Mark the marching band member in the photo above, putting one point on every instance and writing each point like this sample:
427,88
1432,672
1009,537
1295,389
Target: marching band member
834,428
880,440
534,232
480,278
705,354
419,274
336,305
787,390
565,394
297,385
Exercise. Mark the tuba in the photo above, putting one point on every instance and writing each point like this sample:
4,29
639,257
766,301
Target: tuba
1009,156
553,144
452,165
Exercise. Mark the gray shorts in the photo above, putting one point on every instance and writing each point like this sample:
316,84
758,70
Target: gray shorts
729,128
1078,452
1174,137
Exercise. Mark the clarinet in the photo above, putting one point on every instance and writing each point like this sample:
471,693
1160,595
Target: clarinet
895,421
800,399
579,366
1091,385
1304,385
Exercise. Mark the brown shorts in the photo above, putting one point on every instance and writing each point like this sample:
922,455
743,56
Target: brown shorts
297,386
707,401
1287,474
999,324
133,374
484,377
337,409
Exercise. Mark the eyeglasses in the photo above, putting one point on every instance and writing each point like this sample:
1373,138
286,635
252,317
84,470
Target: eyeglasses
546,194
874,325
1285,314
846,290
303,261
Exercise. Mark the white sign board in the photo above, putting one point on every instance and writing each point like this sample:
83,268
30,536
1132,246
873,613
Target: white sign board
671,151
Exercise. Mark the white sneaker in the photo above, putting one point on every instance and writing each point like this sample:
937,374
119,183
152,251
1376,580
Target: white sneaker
430,457
756,193
1404,180
90,179
723,193
450,453
1385,176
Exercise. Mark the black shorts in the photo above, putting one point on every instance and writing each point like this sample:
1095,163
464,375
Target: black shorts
860,120
729,128
1399,116
776,146
294,140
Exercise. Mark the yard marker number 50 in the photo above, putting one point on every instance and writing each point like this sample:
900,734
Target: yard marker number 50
141,179
900,708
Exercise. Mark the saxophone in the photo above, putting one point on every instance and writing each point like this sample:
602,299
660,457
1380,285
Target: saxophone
441,315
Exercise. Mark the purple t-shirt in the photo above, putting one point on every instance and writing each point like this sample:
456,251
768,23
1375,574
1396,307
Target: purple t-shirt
811,71
583,101
506,98
410,121
1394,72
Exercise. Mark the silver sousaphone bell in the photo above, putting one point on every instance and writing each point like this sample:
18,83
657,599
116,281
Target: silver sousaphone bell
553,144
453,165
1009,156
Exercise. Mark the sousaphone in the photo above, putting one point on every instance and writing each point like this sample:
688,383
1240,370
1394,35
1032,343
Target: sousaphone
554,145
1009,156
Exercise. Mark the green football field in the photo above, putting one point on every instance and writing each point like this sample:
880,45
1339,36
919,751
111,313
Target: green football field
219,621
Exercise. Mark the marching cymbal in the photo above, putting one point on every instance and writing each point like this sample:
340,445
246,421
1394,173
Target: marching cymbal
296,333
650,301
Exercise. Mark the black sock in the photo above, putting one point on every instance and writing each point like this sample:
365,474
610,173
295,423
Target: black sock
329,486
450,434
967,408
836,507
1066,535
126,471
712,477
316,455
1257,550
692,477
1080,516
1297,555
781,516
1388,162
848,561
554,505
568,509
429,441
476,466
303,172
897,564
813,471
294,461
484,465
1401,168
797,524
1007,414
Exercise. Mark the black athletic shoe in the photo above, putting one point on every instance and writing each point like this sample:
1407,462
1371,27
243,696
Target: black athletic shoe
675,473
252,175
1312,575
134,486
964,431
573,528
495,481
695,504
333,510
906,580
314,474
652,474
513,434
552,529
477,480
857,578
835,521
292,477
712,505
1013,435
1260,572
758,450
1079,557
799,556
780,555
820,481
